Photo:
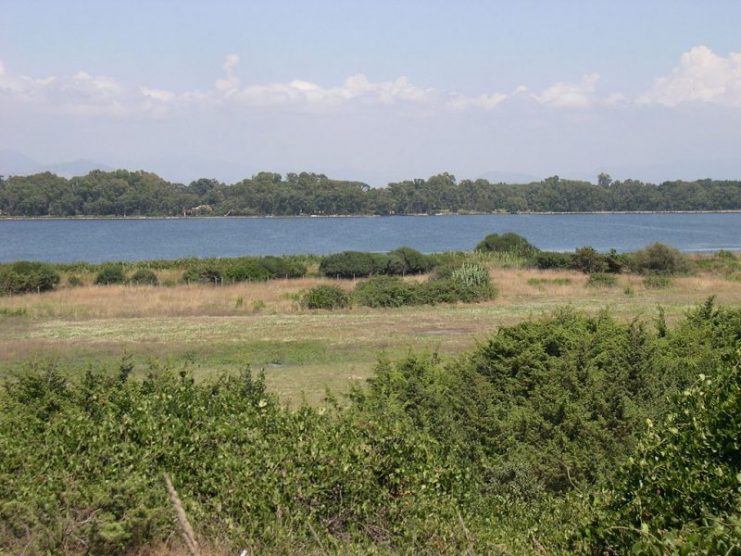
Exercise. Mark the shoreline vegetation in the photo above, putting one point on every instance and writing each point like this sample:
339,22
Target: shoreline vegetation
500,401
421,214
127,194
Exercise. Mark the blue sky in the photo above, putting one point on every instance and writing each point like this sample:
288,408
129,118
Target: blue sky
378,90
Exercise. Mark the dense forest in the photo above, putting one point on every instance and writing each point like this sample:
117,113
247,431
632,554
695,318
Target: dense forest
125,193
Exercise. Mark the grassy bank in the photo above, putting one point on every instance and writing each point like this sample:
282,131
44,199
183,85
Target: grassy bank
263,324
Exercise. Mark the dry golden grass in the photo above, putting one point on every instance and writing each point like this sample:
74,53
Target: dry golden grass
304,350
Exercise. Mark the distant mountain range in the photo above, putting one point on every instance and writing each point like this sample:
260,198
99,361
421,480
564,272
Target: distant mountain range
13,163
185,168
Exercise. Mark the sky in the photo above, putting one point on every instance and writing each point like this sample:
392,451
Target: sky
376,91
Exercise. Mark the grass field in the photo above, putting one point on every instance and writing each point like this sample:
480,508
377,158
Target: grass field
216,329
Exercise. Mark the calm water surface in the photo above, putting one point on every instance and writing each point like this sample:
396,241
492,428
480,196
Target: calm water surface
104,240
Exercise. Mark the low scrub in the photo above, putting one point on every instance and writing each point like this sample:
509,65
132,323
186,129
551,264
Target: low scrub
243,269
27,277
570,434
326,297
468,283
661,259
360,264
144,277
546,260
507,242
112,274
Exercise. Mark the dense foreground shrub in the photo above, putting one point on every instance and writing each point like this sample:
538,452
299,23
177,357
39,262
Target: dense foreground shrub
516,447
25,277
326,297
680,491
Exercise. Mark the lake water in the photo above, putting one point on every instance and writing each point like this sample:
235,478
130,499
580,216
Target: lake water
106,240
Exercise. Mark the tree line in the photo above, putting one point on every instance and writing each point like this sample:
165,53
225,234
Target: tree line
140,193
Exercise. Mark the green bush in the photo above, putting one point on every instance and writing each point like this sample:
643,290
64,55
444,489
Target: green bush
601,280
354,264
588,260
110,274
203,273
658,258
467,284
246,270
553,259
412,260
27,277
509,448
680,491
385,291
74,281
507,242
326,297
284,267
144,277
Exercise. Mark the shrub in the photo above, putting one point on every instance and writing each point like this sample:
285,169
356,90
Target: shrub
354,264
467,284
385,291
26,276
283,267
74,281
203,274
110,274
601,280
326,297
144,277
658,258
413,261
508,242
246,270
588,260
552,259
679,492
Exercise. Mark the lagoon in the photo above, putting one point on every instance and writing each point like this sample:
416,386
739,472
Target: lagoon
98,240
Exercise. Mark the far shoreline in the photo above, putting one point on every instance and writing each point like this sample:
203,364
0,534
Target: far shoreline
306,216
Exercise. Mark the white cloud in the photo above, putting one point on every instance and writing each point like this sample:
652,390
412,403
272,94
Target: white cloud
79,93
157,94
569,95
702,76
354,88
484,102
230,84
